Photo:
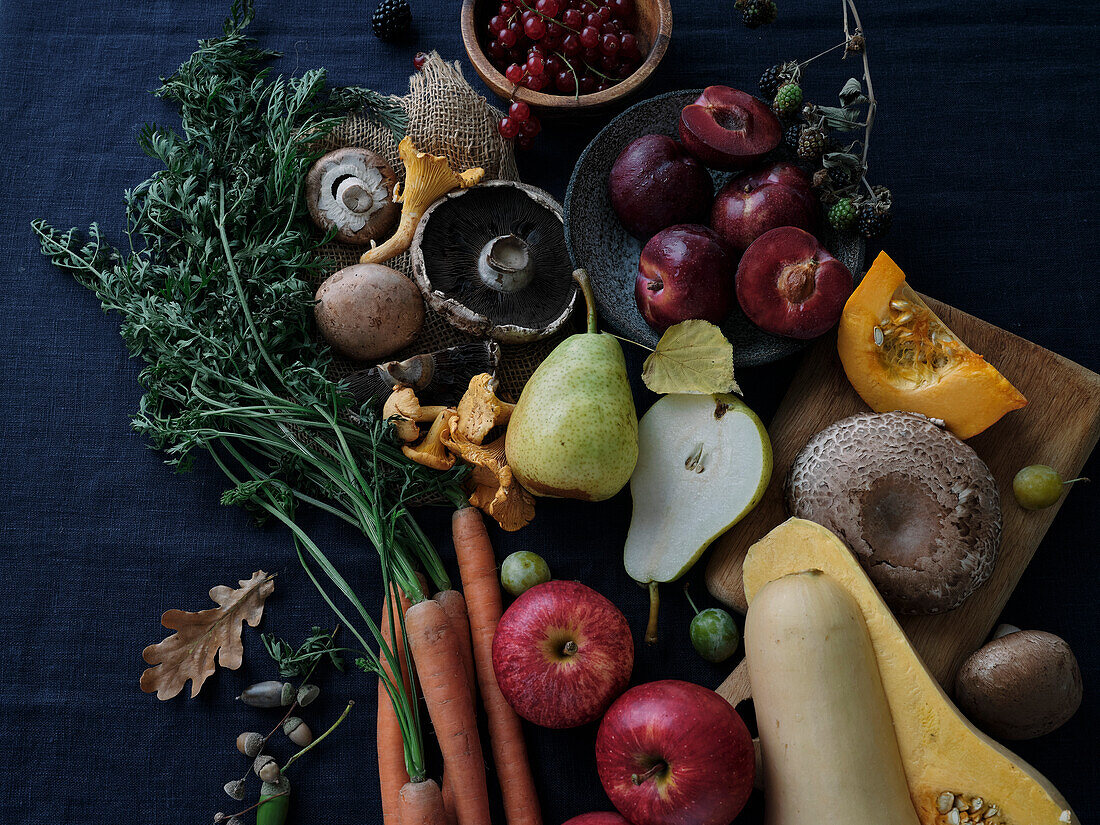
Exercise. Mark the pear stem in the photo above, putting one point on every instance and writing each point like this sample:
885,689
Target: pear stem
654,605
581,277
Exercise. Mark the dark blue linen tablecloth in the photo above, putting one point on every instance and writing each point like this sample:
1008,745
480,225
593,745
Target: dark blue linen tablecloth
987,135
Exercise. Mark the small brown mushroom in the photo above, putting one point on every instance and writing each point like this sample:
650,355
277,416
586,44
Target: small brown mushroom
351,189
368,311
1020,685
916,506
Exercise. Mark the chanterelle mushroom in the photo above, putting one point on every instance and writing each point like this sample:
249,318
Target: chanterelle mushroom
404,410
493,261
431,452
480,410
1021,685
915,504
352,189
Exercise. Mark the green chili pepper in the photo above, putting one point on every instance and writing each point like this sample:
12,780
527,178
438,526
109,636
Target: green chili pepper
274,803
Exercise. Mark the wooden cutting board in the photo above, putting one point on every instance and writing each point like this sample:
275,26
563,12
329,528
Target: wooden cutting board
1059,427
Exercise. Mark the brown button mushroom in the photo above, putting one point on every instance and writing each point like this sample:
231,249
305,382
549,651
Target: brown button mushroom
1021,685
493,261
915,504
351,189
368,311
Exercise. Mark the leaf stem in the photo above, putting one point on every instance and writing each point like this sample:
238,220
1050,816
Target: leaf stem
319,739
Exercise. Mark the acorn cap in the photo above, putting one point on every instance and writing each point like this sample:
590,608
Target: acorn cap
493,261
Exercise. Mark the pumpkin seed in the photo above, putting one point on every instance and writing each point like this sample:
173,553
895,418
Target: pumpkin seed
945,801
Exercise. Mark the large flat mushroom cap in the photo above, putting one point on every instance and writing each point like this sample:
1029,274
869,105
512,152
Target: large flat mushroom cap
915,504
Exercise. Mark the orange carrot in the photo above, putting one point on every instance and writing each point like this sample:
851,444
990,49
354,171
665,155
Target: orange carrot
455,607
478,567
435,651
392,774
420,803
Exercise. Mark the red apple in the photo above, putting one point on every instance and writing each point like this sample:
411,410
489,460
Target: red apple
750,204
674,753
789,284
561,654
685,272
729,129
655,183
598,818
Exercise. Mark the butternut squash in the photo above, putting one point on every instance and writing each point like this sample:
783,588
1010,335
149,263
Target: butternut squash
956,774
899,355
829,751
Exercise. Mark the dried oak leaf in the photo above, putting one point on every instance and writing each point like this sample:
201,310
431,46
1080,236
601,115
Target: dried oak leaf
189,652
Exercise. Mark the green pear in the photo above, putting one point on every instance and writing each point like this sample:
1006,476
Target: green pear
574,431
704,462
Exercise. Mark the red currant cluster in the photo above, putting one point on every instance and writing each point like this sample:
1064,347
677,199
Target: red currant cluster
569,47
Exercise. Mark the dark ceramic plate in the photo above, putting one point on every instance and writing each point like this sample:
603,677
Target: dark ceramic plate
598,242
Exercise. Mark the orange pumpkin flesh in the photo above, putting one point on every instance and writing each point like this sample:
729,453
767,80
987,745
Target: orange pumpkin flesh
899,356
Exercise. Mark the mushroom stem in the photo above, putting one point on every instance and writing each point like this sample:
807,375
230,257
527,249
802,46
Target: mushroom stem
354,196
505,264
581,277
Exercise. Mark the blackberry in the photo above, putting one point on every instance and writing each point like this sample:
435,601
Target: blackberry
787,99
841,176
842,215
756,13
772,79
811,142
874,219
392,20
790,137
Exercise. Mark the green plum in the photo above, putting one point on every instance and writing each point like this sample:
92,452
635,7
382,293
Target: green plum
523,570
1038,486
714,634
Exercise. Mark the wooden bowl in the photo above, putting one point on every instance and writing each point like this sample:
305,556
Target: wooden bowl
652,27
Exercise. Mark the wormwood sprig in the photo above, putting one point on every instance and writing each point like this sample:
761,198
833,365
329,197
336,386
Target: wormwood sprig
214,294
298,661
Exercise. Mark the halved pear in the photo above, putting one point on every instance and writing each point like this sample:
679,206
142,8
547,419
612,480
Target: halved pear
704,461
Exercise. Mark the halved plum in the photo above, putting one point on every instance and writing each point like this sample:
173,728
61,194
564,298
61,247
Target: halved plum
729,129
788,283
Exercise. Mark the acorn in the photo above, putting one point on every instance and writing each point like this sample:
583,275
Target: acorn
250,743
297,731
307,693
270,772
265,694
261,762
235,789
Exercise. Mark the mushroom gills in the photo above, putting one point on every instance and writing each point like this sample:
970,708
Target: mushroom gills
439,377
493,261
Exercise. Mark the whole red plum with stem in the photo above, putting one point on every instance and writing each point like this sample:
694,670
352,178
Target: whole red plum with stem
789,284
656,183
561,654
685,272
754,202
729,129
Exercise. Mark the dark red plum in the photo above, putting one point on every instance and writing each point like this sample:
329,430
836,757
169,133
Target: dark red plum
752,203
685,272
789,284
656,183
729,129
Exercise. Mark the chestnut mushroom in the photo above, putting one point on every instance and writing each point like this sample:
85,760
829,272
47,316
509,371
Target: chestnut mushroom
368,311
916,506
351,189
493,261
1020,685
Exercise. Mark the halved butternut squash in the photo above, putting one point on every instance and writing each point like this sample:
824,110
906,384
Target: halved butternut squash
956,774
900,356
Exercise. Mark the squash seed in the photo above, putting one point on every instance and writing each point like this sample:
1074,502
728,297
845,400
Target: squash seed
953,817
976,802
879,337
945,801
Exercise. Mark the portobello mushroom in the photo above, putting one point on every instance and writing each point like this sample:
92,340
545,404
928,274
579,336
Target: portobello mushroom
492,260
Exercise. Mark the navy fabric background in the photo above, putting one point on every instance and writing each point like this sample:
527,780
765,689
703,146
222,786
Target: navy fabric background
986,134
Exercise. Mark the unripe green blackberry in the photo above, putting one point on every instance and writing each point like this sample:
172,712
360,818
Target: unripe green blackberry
787,99
842,215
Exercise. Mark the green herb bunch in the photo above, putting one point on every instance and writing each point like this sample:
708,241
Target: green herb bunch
214,291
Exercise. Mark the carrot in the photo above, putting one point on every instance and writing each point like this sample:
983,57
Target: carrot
420,803
392,774
455,607
478,568
435,651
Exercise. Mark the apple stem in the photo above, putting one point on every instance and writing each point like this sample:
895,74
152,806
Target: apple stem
639,778
690,600
654,605
581,277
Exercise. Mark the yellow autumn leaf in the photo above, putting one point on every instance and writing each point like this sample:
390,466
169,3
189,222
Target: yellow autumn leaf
692,357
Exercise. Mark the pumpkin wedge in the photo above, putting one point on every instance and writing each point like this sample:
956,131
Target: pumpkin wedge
956,774
900,356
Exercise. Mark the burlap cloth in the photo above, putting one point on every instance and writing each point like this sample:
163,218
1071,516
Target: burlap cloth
446,117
